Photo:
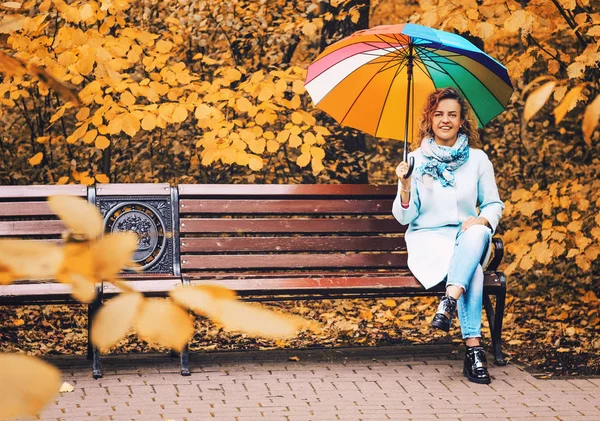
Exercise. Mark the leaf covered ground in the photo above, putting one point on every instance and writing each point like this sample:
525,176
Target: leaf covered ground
549,326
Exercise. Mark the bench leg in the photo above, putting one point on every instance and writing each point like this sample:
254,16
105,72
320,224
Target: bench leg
184,358
92,352
495,322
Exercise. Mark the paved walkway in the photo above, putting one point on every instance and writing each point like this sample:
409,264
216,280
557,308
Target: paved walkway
372,384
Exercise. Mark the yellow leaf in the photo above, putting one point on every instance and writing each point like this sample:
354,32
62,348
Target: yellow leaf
590,120
243,104
202,111
294,358
102,142
272,146
164,323
255,162
66,388
303,160
317,152
27,385
567,104
180,114
233,75
583,262
283,135
322,130
149,122
113,253
295,141
42,139
297,88
265,94
527,262
163,46
11,5
390,302
542,252
537,99
576,69
296,118
309,29
81,217
102,178
11,23
83,113
575,226
131,124
90,136
63,180
115,318
127,98
36,159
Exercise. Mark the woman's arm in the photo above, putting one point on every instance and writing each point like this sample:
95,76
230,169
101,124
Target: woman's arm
490,205
403,213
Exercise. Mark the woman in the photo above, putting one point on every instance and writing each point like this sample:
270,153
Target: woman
447,239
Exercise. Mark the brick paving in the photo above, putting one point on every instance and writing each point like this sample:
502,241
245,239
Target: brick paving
348,385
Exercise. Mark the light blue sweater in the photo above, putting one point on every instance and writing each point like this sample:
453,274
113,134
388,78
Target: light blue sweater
435,214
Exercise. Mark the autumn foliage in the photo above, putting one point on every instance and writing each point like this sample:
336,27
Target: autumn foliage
212,91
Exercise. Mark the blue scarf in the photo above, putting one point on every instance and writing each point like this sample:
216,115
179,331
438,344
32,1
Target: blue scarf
442,160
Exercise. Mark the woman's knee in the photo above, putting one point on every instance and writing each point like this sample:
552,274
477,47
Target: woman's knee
478,232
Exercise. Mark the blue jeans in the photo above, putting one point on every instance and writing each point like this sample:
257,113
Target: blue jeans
465,271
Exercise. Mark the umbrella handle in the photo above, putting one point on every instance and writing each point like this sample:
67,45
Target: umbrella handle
411,166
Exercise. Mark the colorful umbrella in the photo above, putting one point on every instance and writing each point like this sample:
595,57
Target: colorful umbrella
366,80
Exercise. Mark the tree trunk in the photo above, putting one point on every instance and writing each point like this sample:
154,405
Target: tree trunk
334,30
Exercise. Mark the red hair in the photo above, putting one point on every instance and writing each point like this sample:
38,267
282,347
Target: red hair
469,122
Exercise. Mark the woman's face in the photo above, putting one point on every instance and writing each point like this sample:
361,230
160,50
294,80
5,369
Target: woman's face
446,122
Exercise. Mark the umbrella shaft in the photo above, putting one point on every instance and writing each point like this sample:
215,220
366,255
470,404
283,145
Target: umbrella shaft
409,70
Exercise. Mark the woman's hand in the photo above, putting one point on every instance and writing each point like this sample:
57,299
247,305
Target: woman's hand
471,220
401,171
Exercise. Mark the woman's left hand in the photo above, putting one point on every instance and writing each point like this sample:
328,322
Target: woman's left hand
471,220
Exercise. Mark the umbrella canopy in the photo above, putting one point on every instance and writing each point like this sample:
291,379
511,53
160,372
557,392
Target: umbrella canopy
363,80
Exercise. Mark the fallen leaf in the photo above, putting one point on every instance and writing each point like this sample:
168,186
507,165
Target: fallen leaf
294,358
66,388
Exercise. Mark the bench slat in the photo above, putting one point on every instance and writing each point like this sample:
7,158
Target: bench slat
11,192
25,209
296,261
41,292
212,225
327,284
31,228
137,189
376,207
237,244
288,190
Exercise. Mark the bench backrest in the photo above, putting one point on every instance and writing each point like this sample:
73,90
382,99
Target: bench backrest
289,227
24,211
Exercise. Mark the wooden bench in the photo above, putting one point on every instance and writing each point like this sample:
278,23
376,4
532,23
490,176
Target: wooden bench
267,242
24,213
273,242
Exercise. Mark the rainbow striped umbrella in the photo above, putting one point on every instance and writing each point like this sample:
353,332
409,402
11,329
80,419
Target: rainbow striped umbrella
366,80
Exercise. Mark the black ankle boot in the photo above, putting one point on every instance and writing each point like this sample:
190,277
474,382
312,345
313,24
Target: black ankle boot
475,368
444,314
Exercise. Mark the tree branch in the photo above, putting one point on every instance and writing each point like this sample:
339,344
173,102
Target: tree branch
570,23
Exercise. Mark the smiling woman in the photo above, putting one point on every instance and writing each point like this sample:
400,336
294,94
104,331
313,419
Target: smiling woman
452,207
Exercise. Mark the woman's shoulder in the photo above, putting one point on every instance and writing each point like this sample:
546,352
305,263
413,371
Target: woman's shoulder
478,154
